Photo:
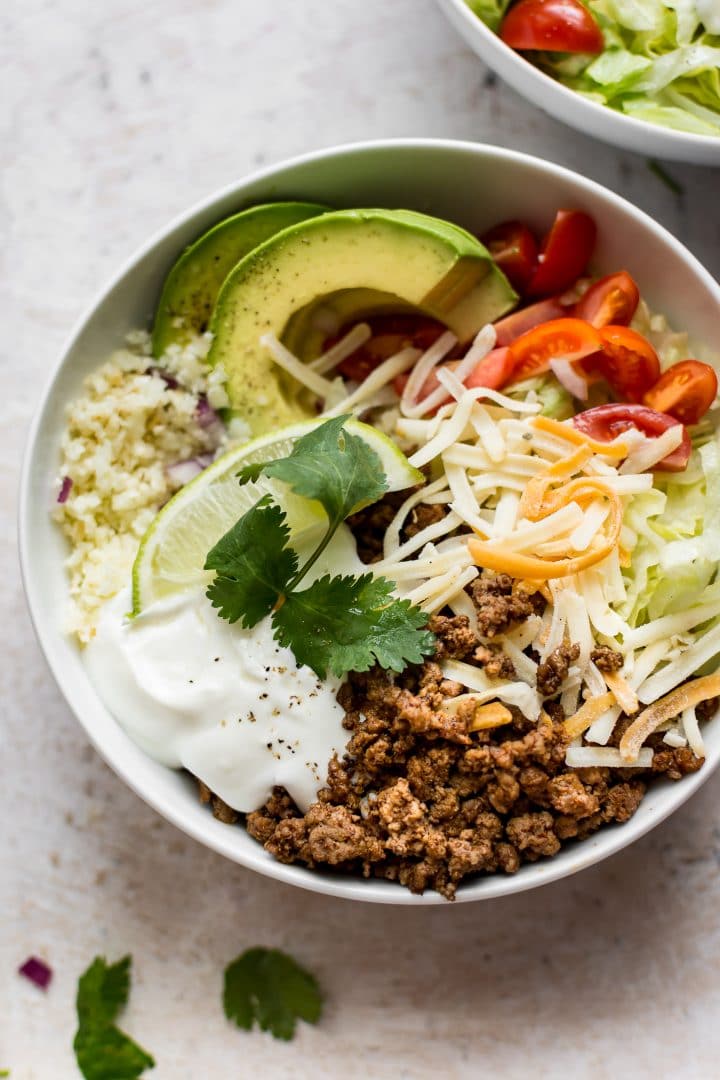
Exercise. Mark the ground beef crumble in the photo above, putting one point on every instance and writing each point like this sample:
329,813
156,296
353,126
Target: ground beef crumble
606,659
552,672
418,800
500,603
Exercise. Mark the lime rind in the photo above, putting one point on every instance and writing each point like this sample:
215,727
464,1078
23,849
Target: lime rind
172,552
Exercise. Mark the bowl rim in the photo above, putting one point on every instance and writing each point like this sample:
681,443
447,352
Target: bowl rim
349,887
570,98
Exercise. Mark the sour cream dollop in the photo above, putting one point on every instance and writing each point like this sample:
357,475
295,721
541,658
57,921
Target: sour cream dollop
230,705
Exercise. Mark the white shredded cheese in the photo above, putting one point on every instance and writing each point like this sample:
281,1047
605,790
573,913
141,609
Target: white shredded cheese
380,377
343,348
600,757
303,373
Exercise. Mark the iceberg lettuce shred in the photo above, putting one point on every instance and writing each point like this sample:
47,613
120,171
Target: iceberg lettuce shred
676,559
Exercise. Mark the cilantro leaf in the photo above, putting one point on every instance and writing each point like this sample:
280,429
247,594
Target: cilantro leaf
348,624
253,565
103,1052
335,467
251,472
268,986
103,991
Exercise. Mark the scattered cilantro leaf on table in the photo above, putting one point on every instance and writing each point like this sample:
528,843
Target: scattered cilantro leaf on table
254,565
103,1052
268,987
349,624
339,624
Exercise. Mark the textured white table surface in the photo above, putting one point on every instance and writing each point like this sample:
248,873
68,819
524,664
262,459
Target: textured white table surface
114,116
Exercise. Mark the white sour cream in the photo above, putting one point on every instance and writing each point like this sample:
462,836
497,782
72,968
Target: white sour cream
230,705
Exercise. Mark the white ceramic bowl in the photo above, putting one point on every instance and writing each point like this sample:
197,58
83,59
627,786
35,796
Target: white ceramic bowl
564,104
476,186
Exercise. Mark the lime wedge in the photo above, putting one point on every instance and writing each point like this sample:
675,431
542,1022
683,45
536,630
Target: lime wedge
173,551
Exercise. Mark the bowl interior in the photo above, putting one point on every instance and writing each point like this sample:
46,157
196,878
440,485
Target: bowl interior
473,185
565,104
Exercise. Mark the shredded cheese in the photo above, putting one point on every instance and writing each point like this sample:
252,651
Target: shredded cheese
381,376
300,371
587,714
615,449
677,701
492,715
605,757
624,694
340,351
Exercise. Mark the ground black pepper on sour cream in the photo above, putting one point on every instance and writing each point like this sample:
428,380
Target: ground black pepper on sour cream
228,704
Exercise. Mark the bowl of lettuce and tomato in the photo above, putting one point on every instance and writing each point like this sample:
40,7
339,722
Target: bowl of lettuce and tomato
643,75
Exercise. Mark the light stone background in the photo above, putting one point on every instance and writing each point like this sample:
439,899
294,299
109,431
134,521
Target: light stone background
114,116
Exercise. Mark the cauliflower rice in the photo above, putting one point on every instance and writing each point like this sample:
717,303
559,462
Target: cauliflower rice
133,419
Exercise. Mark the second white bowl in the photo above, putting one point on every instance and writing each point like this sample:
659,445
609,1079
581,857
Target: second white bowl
564,104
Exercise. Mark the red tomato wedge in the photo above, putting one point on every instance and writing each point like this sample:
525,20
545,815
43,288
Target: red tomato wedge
515,251
686,391
559,339
565,252
390,334
606,422
612,299
627,362
494,371
552,26
510,327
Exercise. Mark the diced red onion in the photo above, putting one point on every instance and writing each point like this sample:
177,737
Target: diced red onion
205,414
169,380
65,488
37,971
182,472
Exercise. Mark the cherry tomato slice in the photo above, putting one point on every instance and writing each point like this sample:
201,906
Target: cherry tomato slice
493,371
565,253
559,339
612,299
509,328
686,391
514,250
552,26
390,334
627,362
606,422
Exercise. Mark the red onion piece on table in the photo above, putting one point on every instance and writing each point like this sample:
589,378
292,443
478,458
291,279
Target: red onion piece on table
37,971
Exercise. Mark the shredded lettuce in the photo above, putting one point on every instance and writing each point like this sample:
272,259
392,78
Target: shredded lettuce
676,559
661,62
490,11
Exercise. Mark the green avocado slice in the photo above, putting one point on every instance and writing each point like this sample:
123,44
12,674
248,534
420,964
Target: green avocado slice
192,286
389,259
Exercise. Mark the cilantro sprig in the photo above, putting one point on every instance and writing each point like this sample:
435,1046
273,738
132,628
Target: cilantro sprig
103,1052
268,987
336,624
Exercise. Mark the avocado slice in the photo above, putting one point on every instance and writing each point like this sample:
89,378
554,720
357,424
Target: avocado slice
396,258
192,286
